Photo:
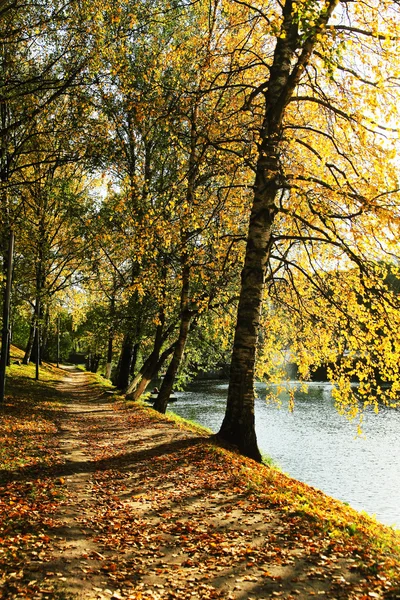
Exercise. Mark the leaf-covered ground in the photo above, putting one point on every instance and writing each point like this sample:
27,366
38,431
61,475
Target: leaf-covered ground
98,501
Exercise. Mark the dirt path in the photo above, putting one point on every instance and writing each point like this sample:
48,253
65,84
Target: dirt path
154,511
101,450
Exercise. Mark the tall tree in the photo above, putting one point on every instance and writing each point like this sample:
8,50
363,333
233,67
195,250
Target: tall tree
311,59
166,134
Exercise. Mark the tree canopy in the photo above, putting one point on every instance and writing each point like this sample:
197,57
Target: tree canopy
216,181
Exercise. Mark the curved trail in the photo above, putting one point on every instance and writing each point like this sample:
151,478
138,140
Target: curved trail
152,512
90,430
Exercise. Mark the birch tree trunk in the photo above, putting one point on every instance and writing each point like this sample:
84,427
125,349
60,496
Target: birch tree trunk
291,56
149,367
238,426
148,372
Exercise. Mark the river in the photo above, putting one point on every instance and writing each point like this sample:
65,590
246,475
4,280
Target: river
316,445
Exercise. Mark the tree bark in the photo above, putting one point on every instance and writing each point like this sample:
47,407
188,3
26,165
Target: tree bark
31,340
10,340
169,379
134,358
37,344
5,339
110,335
88,364
122,379
45,335
145,375
95,363
148,365
36,348
7,233
170,376
148,374
238,426
109,353
58,341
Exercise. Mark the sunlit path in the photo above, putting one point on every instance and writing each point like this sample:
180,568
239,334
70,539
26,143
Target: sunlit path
137,506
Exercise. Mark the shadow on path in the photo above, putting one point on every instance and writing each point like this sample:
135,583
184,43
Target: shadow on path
91,466
155,511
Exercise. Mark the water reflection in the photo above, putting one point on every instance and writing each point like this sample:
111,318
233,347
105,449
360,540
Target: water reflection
316,445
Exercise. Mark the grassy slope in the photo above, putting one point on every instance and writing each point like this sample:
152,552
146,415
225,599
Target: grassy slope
326,524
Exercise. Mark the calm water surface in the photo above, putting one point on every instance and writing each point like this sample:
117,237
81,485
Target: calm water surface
316,445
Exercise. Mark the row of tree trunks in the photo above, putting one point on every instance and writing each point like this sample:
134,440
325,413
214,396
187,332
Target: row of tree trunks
31,349
156,360
92,362
150,372
149,367
34,347
172,370
185,313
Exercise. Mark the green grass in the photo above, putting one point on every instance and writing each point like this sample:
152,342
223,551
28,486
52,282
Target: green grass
170,416
192,425
268,461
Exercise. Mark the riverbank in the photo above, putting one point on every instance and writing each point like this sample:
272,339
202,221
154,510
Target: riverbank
101,501
315,444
